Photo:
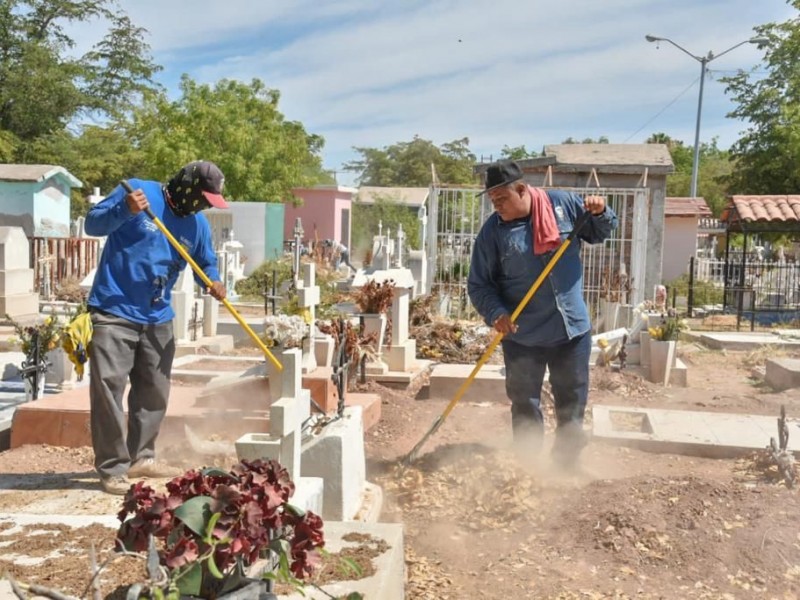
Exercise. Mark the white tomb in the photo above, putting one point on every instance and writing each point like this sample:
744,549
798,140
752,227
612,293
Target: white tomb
17,297
286,418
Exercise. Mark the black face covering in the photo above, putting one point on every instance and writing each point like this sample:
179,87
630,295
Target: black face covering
185,196
184,201
195,187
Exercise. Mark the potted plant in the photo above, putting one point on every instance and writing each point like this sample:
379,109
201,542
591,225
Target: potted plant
212,525
664,333
373,300
643,313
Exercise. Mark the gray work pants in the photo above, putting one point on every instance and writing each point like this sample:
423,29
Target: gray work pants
121,349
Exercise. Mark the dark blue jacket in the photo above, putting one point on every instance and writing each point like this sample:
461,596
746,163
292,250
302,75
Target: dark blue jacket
139,267
503,268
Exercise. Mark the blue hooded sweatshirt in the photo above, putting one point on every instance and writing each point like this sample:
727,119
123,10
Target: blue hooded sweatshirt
139,267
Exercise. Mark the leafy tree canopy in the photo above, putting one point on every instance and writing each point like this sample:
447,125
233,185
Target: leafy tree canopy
768,152
44,87
517,153
408,164
715,168
238,126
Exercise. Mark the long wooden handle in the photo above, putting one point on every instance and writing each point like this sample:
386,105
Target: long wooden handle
208,283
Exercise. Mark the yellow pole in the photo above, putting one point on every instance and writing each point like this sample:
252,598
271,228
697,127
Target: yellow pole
208,283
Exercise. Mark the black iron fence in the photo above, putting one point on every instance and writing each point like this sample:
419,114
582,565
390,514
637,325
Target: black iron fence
752,294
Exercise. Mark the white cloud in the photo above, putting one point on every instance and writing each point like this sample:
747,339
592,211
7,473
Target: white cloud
365,73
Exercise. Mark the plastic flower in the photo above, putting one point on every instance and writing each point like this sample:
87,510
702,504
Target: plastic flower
285,330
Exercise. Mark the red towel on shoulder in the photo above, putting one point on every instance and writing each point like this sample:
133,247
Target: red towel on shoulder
545,228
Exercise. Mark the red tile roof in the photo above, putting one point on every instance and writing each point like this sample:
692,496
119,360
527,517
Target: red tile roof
764,208
686,207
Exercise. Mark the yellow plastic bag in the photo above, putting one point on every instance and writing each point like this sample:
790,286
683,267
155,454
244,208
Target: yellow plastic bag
76,342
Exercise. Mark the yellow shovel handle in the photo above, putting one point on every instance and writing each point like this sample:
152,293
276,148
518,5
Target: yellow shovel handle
208,283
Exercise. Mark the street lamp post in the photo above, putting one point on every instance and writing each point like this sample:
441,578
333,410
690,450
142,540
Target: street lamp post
703,60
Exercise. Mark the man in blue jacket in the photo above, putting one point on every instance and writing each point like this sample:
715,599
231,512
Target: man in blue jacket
131,314
553,332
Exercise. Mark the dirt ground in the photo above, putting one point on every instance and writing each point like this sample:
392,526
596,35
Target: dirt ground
481,522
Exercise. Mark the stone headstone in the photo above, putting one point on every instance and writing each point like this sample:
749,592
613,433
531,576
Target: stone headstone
401,356
210,315
17,298
382,251
286,417
308,298
182,303
418,265
337,456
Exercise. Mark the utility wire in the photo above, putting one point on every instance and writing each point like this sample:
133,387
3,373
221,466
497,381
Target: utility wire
659,113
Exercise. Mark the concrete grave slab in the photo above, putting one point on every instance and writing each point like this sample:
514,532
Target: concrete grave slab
216,344
388,583
401,379
728,340
783,373
337,456
707,434
489,383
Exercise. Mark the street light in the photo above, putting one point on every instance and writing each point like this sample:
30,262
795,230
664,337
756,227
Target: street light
703,60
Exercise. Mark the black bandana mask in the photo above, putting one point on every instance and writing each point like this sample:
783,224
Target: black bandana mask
185,201
196,187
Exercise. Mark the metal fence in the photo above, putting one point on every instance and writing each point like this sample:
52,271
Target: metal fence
56,259
455,216
614,270
763,292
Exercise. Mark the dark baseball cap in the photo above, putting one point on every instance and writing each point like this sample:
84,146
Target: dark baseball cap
504,172
202,177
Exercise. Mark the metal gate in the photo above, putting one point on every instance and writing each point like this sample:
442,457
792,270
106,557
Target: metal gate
613,271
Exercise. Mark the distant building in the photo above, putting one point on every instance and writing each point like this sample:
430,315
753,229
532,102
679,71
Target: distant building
681,229
326,212
37,198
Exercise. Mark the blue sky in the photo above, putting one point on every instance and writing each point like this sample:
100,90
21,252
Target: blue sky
500,72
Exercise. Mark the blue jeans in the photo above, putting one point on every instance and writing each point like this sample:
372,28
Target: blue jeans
569,380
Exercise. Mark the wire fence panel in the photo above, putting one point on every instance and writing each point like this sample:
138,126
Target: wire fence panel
456,216
734,294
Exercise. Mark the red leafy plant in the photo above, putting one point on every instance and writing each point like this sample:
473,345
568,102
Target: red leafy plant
211,524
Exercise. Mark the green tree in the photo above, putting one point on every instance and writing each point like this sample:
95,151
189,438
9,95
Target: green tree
391,214
8,144
601,140
715,167
767,154
43,86
411,164
238,126
517,153
98,156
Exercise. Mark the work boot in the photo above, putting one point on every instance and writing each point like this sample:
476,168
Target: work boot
150,467
115,484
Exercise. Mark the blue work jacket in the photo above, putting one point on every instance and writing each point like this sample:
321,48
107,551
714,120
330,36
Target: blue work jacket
503,269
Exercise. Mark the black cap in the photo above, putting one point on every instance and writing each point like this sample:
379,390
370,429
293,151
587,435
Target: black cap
200,179
504,172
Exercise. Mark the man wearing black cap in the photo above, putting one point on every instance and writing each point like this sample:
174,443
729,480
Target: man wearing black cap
132,316
553,332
